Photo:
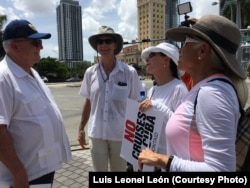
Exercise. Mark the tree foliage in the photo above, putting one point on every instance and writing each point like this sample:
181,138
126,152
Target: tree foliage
3,19
56,71
231,8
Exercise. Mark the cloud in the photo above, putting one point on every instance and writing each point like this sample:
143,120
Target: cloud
121,15
31,8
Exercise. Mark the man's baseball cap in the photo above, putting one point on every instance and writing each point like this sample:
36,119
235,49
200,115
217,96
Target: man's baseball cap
22,29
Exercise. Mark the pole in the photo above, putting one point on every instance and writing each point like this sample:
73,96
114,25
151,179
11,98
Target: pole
238,22
238,14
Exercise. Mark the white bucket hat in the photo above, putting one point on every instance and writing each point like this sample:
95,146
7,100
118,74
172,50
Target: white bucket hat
168,49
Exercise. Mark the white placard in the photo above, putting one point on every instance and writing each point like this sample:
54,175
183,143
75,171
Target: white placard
142,130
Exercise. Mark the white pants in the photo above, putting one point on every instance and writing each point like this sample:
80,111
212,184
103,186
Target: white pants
106,153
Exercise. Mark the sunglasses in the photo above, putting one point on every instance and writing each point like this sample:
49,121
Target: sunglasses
106,41
152,54
34,42
188,40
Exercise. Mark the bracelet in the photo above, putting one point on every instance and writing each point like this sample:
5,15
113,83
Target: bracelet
170,159
82,132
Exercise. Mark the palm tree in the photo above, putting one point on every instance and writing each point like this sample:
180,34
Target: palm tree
230,11
3,19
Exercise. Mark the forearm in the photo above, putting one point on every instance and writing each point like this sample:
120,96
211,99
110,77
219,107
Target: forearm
85,115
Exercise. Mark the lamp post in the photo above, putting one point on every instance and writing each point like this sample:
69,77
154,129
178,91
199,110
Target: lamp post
238,14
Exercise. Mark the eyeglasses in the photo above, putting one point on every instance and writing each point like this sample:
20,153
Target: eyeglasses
34,42
188,39
106,41
152,54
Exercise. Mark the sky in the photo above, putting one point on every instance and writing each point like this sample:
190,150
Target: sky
121,15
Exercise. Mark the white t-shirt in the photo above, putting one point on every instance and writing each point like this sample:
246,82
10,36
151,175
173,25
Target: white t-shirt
166,98
207,143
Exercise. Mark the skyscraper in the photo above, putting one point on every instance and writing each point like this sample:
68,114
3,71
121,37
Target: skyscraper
69,28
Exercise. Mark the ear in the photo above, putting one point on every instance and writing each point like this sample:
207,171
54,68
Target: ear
14,45
205,50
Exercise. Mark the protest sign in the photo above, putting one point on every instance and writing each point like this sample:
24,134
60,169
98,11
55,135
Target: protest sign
141,130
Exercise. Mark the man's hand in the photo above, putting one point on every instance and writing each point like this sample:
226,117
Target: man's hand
82,141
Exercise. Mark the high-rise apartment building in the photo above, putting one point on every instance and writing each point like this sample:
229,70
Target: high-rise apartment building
172,18
69,28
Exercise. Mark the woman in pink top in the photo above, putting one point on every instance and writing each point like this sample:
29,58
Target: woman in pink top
202,137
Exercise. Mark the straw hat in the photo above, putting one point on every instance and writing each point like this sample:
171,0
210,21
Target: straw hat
107,31
222,34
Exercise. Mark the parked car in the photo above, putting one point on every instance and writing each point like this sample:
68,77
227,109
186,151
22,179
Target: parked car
142,77
45,79
73,80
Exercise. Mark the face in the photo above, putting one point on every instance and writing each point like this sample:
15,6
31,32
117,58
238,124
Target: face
106,45
28,49
189,53
155,62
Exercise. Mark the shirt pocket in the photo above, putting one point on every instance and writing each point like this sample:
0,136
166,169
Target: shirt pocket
119,93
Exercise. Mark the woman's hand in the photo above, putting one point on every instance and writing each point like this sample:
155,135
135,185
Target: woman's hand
150,158
145,105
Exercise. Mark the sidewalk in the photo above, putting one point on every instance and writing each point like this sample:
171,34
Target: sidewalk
75,173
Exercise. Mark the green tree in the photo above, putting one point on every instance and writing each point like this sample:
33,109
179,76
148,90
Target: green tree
3,19
231,9
52,69
79,69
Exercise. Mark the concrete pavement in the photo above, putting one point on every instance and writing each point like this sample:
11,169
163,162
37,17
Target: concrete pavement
75,173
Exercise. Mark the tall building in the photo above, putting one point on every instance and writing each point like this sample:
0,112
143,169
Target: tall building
154,18
69,28
172,19
151,21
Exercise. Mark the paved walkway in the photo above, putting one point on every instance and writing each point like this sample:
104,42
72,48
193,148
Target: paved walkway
75,173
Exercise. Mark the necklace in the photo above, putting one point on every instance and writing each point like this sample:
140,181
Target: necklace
107,77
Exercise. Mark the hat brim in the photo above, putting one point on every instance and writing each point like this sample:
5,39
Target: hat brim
39,36
179,34
146,52
118,38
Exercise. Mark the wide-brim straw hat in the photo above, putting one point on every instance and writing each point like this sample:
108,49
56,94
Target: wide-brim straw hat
107,31
222,34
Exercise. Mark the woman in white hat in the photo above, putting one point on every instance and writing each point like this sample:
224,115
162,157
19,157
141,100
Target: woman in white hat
161,62
106,87
201,134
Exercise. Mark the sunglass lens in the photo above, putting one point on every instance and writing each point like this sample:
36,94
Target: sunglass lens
152,54
106,41
37,42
